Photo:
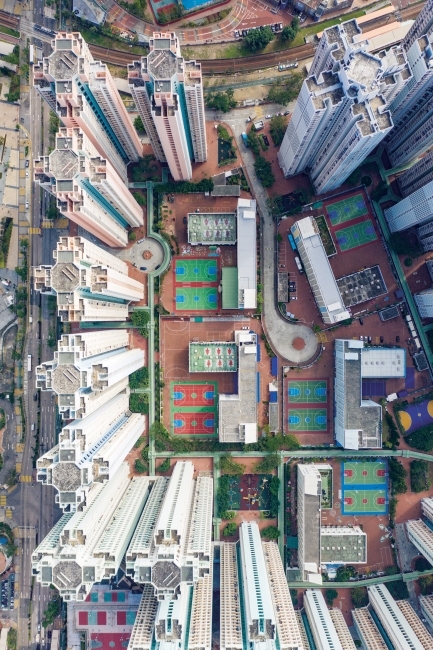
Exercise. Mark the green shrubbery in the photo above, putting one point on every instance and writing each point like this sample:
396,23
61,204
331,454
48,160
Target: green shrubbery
185,187
420,476
270,532
397,475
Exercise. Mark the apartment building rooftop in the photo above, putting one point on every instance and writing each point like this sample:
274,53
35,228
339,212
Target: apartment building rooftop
329,88
63,62
364,69
364,125
162,63
65,379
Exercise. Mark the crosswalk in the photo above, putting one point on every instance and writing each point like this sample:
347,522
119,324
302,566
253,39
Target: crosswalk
34,231
25,478
3,500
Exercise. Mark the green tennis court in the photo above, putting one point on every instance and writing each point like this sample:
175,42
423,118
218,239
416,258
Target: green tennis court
364,473
346,210
307,419
364,502
356,235
196,298
199,270
307,391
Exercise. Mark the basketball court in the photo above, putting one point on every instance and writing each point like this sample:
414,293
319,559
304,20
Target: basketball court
196,298
307,391
307,419
194,408
416,416
364,488
346,210
249,492
196,270
364,502
356,235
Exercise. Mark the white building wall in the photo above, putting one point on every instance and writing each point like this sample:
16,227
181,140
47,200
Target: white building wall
321,625
395,624
414,210
195,108
421,536
424,302
427,507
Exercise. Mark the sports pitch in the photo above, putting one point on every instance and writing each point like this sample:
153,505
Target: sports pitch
197,270
365,473
346,210
307,419
364,502
196,298
194,408
364,488
307,391
356,235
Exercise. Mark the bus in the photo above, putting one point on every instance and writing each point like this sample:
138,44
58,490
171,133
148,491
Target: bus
32,54
245,139
292,242
29,363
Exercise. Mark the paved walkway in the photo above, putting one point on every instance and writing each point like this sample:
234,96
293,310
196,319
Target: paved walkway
294,342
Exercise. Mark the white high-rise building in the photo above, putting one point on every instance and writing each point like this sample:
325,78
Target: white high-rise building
367,630
424,302
414,210
421,632
90,284
90,451
168,93
309,508
421,536
417,176
321,624
412,107
88,546
88,189
88,370
171,550
319,273
341,114
427,507
426,604
83,94
395,624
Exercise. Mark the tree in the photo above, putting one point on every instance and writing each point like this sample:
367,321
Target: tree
165,465
258,39
229,466
228,515
289,31
331,595
419,476
359,597
284,90
275,205
141,318
278,126
270,532
421,439
343,573
12,639
398,589
51,612
426,585
264,171
421,564
222,101
230,529
397,475
266,464
138,123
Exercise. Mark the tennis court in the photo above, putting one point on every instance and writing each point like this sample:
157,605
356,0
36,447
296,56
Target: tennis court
307,391
192,394
364,502
356,235
196,298
307,419
364,473
197,423
346,210
197,270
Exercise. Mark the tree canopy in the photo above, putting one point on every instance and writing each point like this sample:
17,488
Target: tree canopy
222,101
264,171
278,126
258,39
289,31
287,89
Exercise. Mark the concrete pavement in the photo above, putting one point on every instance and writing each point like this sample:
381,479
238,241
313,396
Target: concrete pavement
295,342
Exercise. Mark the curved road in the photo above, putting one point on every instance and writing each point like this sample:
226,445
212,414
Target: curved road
294,342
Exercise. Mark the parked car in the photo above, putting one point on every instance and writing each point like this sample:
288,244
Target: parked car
361,338
268,117
369,339
27,173
397,339
381,339
185,220
287,113
27,163
361,322
266,140
236,33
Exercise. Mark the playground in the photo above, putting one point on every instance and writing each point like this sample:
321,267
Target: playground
347,209
194,408
307,419
249,492
416,416
364,488
196,298
355,236
307,391
189,271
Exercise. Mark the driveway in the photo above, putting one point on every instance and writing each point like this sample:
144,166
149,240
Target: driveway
294,342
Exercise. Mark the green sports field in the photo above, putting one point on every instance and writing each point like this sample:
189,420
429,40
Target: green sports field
307,391
362,502
356,235
346,210
307,419
196,298
367,473
199,270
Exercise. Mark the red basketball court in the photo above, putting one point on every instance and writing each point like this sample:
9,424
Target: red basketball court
194,423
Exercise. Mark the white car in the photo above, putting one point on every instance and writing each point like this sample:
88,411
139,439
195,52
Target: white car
236,33
27,205
268,117
27,173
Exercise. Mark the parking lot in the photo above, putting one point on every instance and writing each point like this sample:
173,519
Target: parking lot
8,592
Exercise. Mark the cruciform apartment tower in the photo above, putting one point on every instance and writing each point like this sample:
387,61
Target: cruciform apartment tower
168,93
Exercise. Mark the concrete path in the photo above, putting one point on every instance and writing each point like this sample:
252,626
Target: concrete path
294,342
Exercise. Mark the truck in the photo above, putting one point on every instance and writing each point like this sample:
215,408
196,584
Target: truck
251,117
29,363
291,241
245,139
299,265
258,125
